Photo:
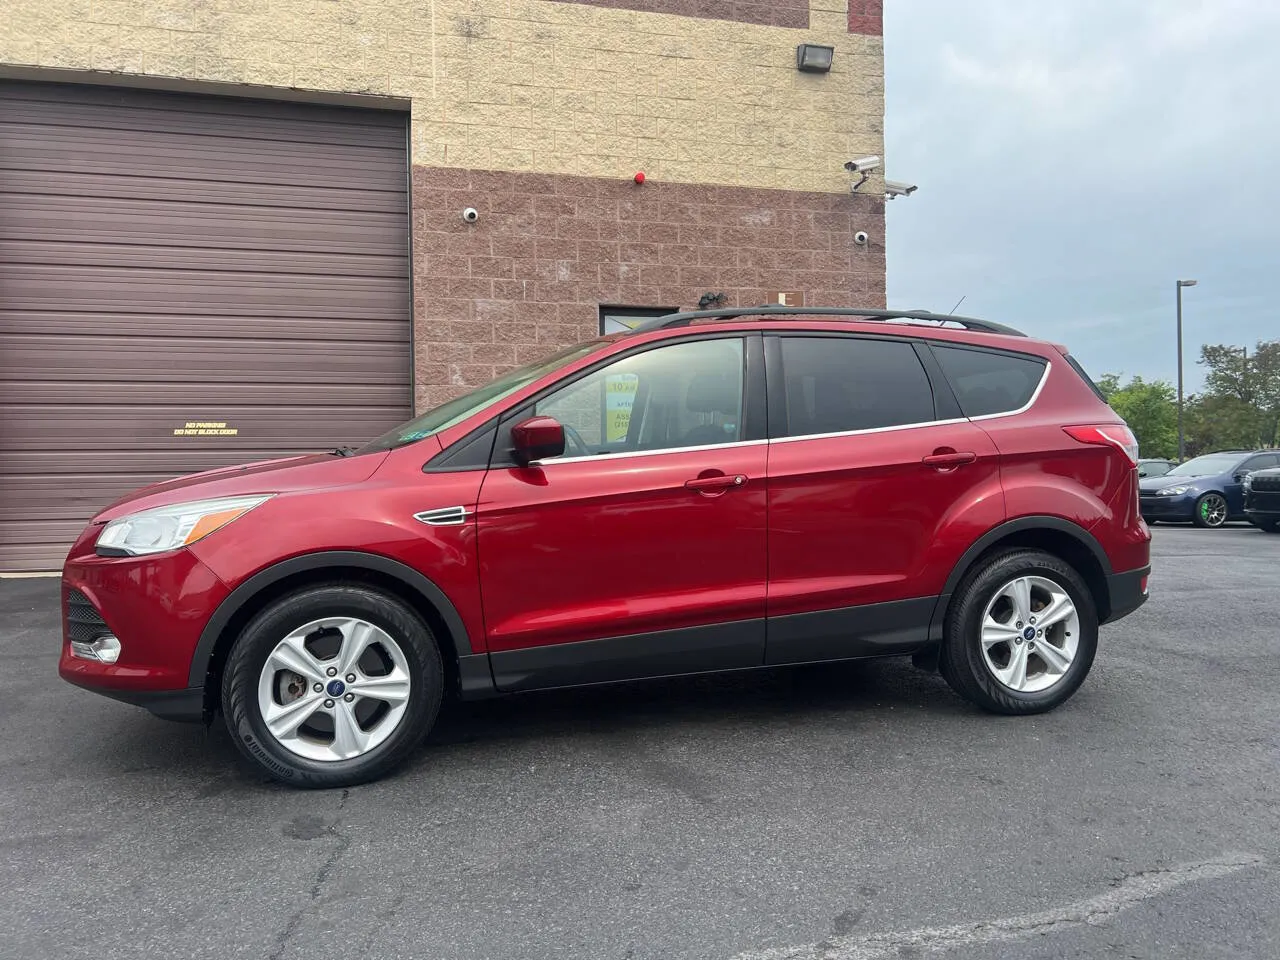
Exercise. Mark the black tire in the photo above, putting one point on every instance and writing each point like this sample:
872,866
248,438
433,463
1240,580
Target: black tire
962,663
276,621
1201,516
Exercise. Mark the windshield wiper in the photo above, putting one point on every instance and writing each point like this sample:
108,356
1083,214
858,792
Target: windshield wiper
343,451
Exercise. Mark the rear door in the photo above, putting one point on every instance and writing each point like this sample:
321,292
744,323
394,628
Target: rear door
641,551
875,489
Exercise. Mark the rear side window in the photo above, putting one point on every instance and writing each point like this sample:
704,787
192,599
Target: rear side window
838,384
986,382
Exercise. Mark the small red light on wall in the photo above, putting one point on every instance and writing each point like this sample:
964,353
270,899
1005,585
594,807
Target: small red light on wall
640,177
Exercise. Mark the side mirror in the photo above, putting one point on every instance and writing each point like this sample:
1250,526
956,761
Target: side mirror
536,439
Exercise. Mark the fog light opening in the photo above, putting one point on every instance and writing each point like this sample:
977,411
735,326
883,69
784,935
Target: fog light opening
104,649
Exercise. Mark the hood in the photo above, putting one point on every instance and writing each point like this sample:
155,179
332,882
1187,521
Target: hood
308,472
1159,483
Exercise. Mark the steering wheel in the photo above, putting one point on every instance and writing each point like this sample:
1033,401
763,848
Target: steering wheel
574,445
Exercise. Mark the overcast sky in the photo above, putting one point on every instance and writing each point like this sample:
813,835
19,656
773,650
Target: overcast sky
1076,157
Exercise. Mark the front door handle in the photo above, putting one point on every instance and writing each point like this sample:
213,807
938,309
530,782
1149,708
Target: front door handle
950,459
715,484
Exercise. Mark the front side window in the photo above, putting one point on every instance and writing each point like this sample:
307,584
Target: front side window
841,384
681,395
987,382
1210,465
1260,463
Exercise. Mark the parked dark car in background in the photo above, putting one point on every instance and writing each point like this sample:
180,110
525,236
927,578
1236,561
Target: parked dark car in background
1154,467
1262,499
1207,490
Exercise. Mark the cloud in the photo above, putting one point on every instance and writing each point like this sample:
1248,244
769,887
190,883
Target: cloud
1076,157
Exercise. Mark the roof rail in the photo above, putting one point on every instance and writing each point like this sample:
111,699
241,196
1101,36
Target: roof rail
730,313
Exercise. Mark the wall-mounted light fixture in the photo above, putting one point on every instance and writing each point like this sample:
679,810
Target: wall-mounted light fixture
814,58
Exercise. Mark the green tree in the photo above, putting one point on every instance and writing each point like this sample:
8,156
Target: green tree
1149,408
1220,423
1241,400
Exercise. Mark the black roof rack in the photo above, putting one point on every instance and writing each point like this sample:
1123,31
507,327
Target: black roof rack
918,316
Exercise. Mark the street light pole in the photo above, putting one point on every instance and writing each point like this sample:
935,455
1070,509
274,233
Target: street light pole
1182,447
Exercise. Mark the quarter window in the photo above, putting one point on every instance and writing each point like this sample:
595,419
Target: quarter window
839,384
987,382
682,395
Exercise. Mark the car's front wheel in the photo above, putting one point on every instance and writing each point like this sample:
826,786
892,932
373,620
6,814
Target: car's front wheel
1021,633
1211,510
332,686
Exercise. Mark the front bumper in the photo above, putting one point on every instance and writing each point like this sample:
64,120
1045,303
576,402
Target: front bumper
1262,506
1128,591
1181,507
156,607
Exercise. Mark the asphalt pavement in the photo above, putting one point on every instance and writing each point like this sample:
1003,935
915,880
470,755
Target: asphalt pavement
848,812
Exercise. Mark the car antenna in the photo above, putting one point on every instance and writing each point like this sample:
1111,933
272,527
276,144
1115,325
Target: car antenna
957,306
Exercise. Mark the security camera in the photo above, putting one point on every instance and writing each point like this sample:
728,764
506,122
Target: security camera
471,214
896,188
864,165
862,238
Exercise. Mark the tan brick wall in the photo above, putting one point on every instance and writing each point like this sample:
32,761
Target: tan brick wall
515,85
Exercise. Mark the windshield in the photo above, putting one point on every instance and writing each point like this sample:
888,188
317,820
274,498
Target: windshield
1204,466
458,409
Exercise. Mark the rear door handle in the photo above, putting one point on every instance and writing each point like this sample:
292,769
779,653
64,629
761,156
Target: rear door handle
943,461
712,484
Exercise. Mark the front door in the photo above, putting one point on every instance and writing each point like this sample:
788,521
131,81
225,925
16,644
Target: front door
868,483
641,551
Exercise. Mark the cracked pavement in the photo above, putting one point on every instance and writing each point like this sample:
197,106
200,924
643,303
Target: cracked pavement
842,812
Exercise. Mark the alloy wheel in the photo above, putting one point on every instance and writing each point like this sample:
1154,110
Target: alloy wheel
334,689
1213,509
1030,633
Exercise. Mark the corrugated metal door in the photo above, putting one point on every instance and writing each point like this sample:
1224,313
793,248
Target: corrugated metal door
188,282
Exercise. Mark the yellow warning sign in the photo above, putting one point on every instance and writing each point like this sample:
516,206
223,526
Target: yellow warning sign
205,428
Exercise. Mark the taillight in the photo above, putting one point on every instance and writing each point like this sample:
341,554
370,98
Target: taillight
1108,435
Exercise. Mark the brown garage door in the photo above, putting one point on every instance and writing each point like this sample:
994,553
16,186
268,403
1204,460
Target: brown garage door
170,262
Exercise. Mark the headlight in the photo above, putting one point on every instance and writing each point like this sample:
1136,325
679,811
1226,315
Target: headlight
1172,491
168,528
1247,483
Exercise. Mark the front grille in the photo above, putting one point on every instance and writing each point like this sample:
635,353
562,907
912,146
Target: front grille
84,623
1266,483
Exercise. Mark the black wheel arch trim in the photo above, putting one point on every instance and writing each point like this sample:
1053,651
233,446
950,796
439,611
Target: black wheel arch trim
263,579
994,536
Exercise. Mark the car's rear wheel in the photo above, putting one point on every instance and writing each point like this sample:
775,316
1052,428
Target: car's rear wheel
1211,510
1021,633
332,686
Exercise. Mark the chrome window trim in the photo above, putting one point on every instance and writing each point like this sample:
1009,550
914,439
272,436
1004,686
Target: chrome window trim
626,454
866,430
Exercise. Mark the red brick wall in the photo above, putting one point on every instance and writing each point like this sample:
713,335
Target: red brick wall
866,16
530,276
774,13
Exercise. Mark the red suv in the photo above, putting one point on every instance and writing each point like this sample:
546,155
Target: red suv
719,490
